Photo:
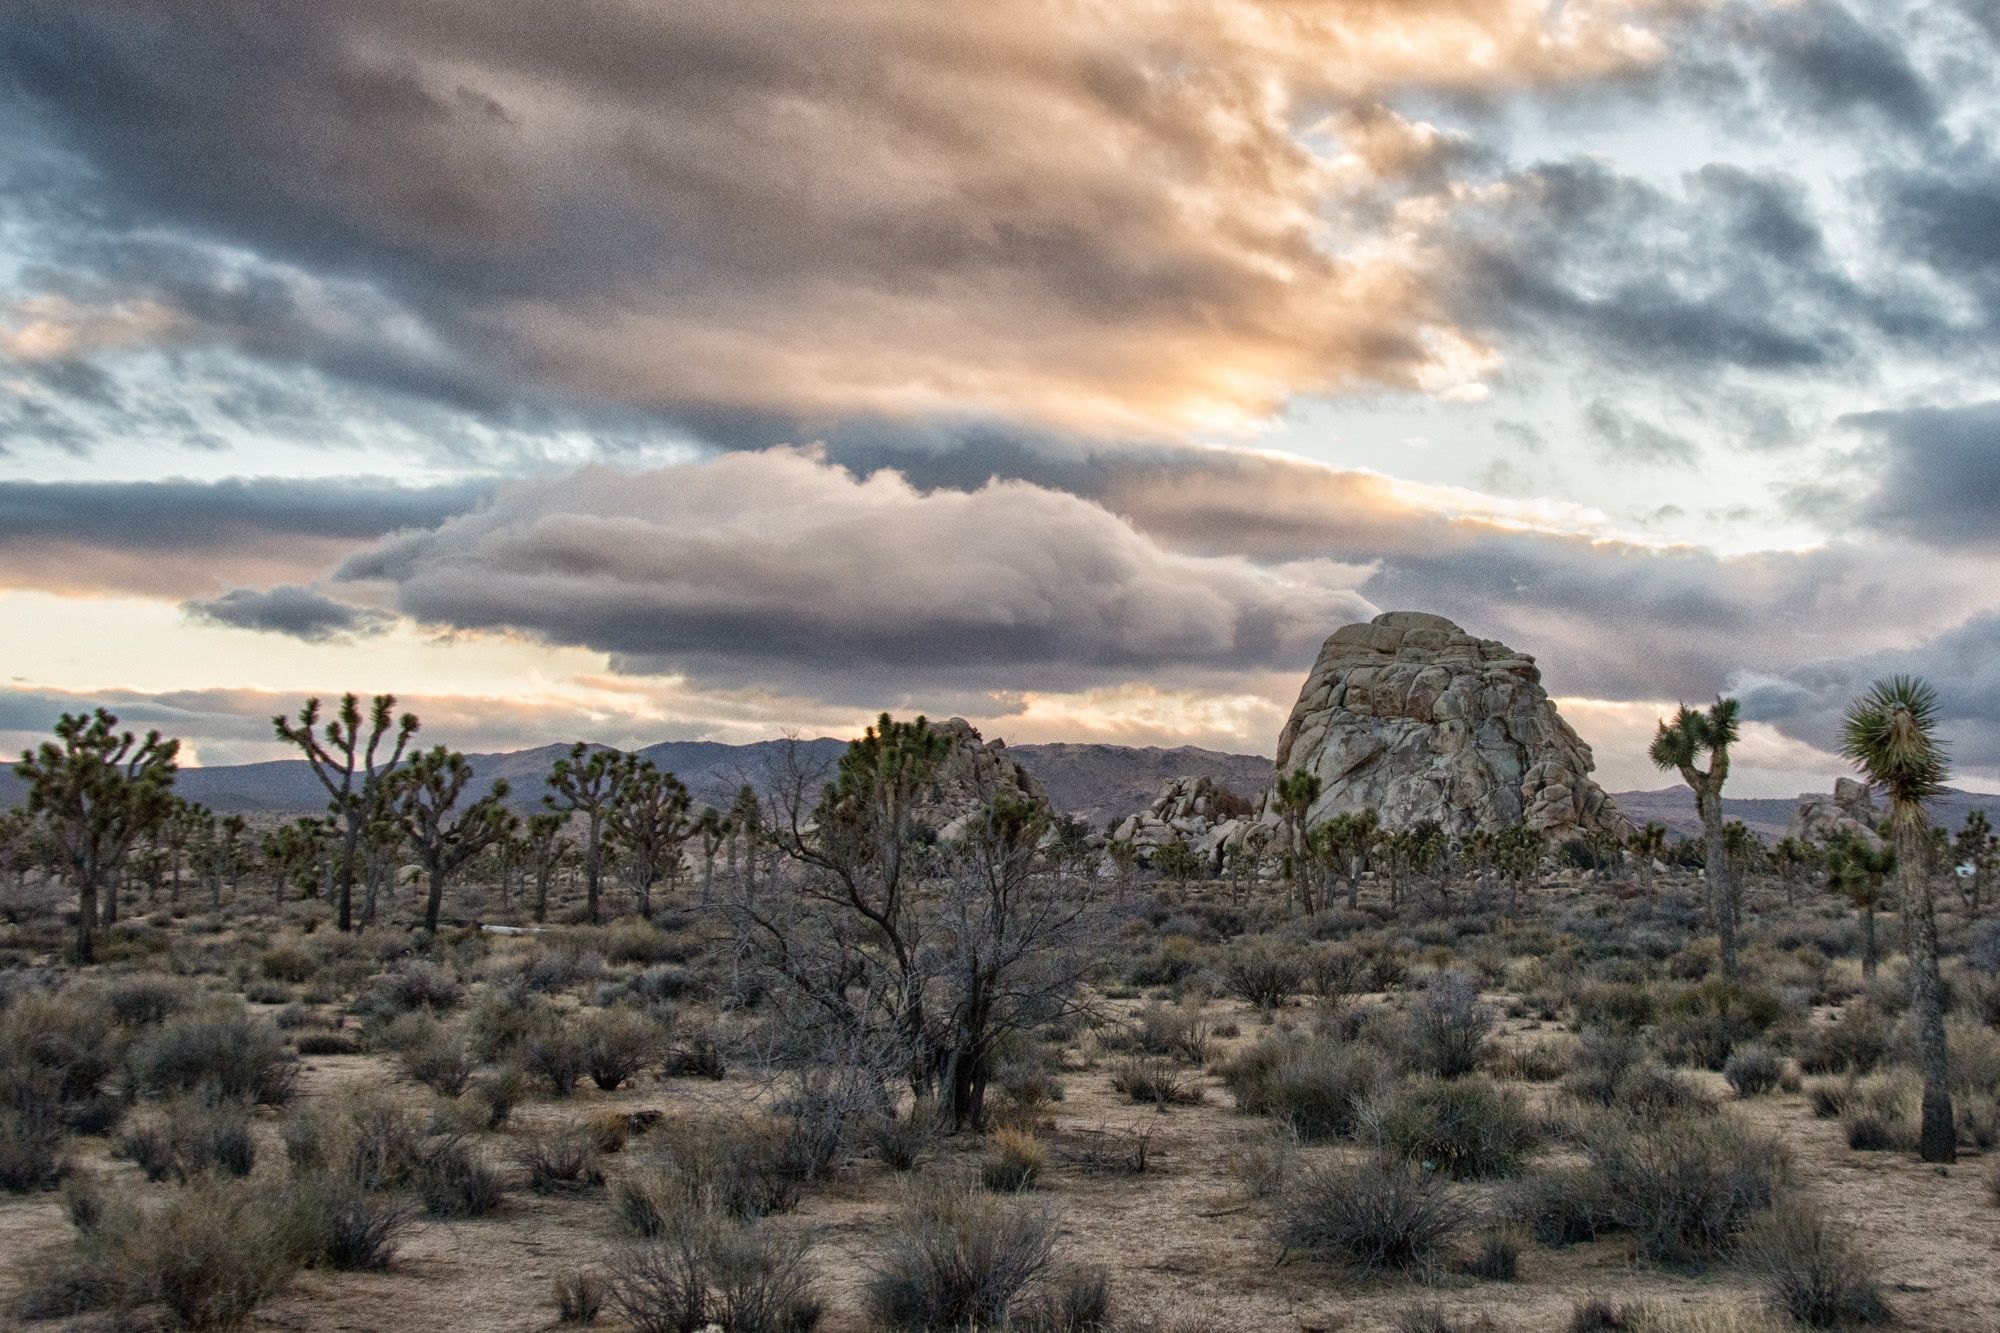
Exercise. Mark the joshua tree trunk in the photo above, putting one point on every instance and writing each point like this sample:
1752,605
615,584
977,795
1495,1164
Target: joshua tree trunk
1718,881
1868,955
1939,1140
86,919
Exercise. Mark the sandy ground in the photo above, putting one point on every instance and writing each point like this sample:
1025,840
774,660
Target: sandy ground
1182,1238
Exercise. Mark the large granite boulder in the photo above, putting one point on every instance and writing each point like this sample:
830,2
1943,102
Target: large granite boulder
1199,810
1415,718
974,772
1848,813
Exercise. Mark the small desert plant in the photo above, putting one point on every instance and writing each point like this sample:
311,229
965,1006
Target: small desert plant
1152,1080
336,1221
617,1043
196,1135
31,1148
1264,974
557,1160
439,1062
1705,1023
1467,1128
1685,1190
285,963
1880,1114
1424,1317
1810,1268
1161,1029
901,1141
1543,1062
326,1043
1014,1163
1378,1214
209,1256
1447,1024
232,1055
955,1259
1754,1070
418,985
699,1056
1313,1084
579,1296
742,1168
1498,1258
1594,1314
453,1182
1565,1207
705,1270
555,1052
1078,1301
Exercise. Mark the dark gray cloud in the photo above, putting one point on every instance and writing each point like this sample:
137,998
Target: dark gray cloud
182,538
289,609
1938,478
1827,60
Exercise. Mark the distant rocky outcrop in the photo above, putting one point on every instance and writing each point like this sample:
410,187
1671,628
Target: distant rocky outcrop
1103,784
1415,718
1198,809
1848,813
975,771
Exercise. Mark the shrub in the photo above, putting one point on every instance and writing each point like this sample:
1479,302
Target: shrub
1684,1190
1155,1081
501,1090
1079,1302
1379,1214
1880,1114
1447,1024
1336,971
1313,1084
1596,1315
1498,1258
326,1043
1811,1270
700,1056
1424,1317
579,1296
194,1137
1754,1070
554,1052
336,1221
1543,1062
139,1002
233,1055
1855,1043
284,963
745,1168
1705,1023
707,1270
418,985
1565,1207
1264,974
1161,1029
900,1141
209,1256
559,1160
1014,1163
453,1182
1828,1097
31,1148
64,1045
500,1023
1468,1129
954,1259
617,1043
439,1062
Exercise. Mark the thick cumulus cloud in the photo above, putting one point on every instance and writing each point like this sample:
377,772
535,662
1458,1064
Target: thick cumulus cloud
1090,214
180,538
778,568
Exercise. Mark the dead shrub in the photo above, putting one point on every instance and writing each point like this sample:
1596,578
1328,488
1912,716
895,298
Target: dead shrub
334,1220
196,1135
579,1296
1147,1079
900,1141
1811,1269
31,1147
956,1259
559,1160
617,1043
452,1181
1263,973
554,1051
440,1062
706,1270
1498,1258
1565,1207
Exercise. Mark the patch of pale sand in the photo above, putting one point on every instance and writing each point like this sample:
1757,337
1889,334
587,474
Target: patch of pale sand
1935,1238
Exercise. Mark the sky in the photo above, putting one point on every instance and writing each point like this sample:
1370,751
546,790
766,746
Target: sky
638,371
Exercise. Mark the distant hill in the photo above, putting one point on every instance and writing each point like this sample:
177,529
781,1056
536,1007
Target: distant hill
1674,808
1097,783
1093,782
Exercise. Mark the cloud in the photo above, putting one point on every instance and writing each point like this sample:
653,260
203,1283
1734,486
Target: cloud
778,568
300,612
1939,479
1114,218
180,538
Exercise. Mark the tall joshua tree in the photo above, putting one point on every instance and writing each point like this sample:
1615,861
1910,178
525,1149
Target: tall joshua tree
346,766
1890,735
1295,794
100,791
430,788
546,845
649,821
586,782
1648,843
1680,741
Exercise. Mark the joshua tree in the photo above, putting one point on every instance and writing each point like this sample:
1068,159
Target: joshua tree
1679,742
1976,847
1124,855
1353,837
430,788
1856,872
1295,793
1792,856
338,757
546,845
586,781
716,830
1647,845
100,791
1178,863
1518,852
747,817
1889,734
648,820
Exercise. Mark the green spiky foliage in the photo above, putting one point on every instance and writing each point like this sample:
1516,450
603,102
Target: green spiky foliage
1856,872
1976,848
357,776
584,782
547,843
1679,745
1295,793
1890,734
1647,843
649,821
100,791
429,790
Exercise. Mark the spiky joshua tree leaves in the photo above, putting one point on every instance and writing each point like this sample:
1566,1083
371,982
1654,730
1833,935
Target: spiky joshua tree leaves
101,790
585,782
430,789
346,765
1678,745
1890,734
1295,795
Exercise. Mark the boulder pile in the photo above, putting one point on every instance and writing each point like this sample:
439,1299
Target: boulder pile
1848,813
1200,810
1413,717
974,772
